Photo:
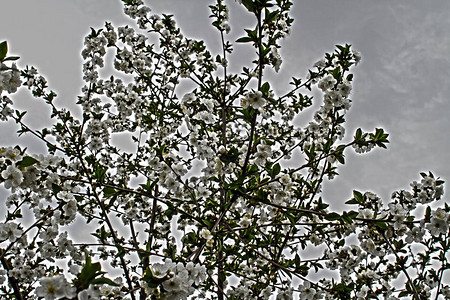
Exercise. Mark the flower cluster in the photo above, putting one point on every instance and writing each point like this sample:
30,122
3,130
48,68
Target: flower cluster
10,231
174,280
55,287
253,99
9,81
9,78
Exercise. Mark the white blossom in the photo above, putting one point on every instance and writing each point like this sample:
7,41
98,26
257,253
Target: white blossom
55,287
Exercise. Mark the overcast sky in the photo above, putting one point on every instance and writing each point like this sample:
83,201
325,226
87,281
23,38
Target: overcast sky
402,83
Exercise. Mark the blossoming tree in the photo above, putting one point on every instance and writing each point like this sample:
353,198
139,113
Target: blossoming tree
221,197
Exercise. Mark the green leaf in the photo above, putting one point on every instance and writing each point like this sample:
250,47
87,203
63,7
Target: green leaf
291,218
26,162
99,174
244,39
109,192
346,288
101,234
3,49
358,134
121,251
352,201
103,280
265,88
275,170
428,214
358,197
332,216
381,225
311,152
379,137
336,73
249,5
404,293
87,274
230,157
349,216
56,188
11,58
297,261
270,16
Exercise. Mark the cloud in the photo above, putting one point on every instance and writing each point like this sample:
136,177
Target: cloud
97,8
419,60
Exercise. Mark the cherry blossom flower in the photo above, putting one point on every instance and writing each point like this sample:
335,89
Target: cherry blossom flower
438,226
55,287
253,99
93,292
10,231
13,177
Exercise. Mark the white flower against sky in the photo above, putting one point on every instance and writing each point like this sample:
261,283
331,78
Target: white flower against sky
320,63
345,89
202,192
438,226
365,213
356,56
362,293
5,102
438,192
307,291
205,234
173,136
96,143
10,231
246,220
275,58
397,209
9,80
177,283
266,293
372,248
188,98
55,287
253,99
197,272
2,276
160,270
64,244
440,214
332,98
205,116
428,181
286,295
49,234
209,103
11,153
91,293
326,83
315,239
48,251
171,183
415,235
13,177
285,179
65,196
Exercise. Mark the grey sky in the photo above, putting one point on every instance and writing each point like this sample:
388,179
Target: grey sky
402,84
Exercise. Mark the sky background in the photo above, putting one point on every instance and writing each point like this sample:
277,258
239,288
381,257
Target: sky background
402,83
